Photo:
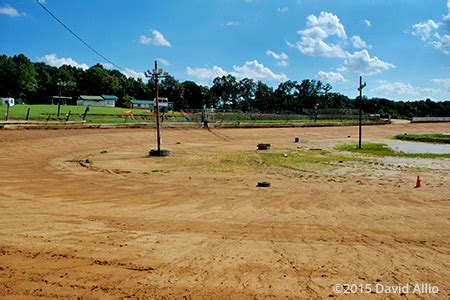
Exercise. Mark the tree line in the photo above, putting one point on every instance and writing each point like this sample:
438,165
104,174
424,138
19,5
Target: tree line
22,79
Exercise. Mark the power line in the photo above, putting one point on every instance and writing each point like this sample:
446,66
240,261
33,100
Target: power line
77,36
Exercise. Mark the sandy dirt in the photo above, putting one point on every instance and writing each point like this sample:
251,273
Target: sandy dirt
194,225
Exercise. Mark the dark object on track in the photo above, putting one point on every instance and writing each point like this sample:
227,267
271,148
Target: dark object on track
263,146
263,184
154,152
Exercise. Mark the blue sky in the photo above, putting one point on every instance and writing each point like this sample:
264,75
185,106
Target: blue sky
401,47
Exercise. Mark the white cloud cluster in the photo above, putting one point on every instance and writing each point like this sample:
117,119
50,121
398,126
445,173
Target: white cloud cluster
128,72
163,61
325,36
434,32
283,10
401,89
368,23
55,61
330,77
157,39
251,69
443,81
206,73
280,57
282,63
314,39
254,69
11,11
423,30
359,43
364,64
232,23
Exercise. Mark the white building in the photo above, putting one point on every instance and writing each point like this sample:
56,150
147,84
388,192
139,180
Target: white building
8,101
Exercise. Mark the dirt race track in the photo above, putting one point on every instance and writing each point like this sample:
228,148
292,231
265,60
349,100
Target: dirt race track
194,225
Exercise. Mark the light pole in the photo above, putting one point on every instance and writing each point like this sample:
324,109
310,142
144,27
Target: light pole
156,73
360,88
60,84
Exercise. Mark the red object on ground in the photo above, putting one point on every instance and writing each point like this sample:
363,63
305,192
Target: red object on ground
417,182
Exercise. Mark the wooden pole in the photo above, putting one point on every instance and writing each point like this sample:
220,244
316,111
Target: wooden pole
361,87
28,113
158,134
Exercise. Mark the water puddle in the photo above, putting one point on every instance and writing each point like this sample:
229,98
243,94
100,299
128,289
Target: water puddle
413,147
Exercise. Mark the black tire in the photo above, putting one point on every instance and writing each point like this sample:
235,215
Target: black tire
154,152
263,184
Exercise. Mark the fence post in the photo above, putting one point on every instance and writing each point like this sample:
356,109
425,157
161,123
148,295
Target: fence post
68,116
7,111
85,113
28,113
59,108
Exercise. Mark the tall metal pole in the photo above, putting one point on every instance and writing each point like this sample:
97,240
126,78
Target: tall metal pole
158,135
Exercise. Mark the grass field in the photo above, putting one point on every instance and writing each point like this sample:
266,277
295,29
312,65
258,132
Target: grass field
425,138
95,114
378,149
119,115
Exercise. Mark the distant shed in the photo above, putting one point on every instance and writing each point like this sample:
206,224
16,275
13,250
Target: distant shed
8,101
106,100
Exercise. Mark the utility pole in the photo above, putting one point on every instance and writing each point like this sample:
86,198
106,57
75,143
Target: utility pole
360,89
157,73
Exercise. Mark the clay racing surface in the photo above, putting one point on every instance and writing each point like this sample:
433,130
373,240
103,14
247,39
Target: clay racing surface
195,225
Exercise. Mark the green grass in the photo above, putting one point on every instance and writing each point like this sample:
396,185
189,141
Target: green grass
384,150
435,138
309,161
40,112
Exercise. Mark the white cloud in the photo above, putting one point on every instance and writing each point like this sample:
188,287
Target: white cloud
283,9
359,43
435,33
132,73
281,56
423,30
318,30
328,22
325,36
206,73
55,61
157,39
10,11
255,70
107,65
232,23
444,81
361,62
401,89
368,23
442,42
251,69
163,61
330,77
447,17
282,63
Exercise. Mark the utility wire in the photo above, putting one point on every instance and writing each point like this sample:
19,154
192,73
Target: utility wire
77,36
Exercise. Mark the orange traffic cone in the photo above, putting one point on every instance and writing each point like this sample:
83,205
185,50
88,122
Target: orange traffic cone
417,182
